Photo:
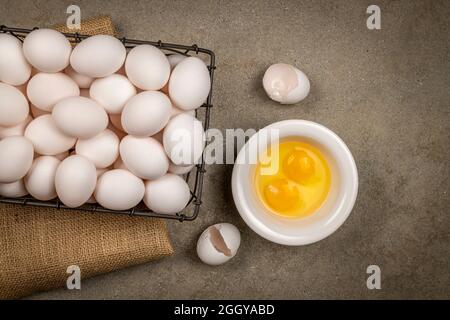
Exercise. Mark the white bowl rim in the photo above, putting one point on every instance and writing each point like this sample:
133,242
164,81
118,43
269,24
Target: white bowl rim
339,217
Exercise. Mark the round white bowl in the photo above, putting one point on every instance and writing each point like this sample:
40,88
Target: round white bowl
331,214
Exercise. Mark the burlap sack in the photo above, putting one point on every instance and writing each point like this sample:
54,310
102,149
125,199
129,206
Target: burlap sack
37,245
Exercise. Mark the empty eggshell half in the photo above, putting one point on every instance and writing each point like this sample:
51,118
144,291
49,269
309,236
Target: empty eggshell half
218,243
47,50
285,83
80,117
184,139
168,195
44,90
112,92
14,189
14,107
98,56
47,139
16,158
40,180
119,189
147,67
146,113
14,68
144,157
17,130
75,180
189,83
102,150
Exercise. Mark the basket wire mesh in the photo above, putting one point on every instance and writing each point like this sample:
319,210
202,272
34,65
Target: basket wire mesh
192,209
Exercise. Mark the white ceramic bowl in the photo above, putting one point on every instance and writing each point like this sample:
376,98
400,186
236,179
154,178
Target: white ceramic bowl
333,212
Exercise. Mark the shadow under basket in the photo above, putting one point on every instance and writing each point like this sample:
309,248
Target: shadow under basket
194,178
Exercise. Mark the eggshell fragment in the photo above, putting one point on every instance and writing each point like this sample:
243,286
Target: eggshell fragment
119,190
112,92
47,50
75,180
98,56
16,158
102,150
14,68
17,130
144,157
169,194
184,139
47,139
80,117
46,89
147,67
14,189
146,113
218,243
285,83
189,83
40,180
84,82
13,106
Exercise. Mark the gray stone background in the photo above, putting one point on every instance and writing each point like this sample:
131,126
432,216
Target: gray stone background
384,92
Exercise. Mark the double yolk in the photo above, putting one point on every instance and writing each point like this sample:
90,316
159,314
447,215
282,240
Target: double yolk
293,179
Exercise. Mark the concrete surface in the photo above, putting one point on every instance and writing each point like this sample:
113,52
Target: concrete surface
384,92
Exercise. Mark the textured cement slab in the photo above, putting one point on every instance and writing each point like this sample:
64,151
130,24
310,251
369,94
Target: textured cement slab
384,92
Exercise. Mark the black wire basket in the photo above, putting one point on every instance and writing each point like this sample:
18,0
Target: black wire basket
194,178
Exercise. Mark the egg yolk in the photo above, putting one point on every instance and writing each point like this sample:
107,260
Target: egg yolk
281,195
298,166
299,184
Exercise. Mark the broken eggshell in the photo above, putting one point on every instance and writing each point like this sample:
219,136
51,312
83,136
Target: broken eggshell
285,83
218,243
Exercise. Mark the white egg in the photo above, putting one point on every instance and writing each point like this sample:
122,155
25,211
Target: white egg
84,82
147,67
17,130
16,158
99,174
146,113
47,50
40,180
169,194
184,139
175,59
218,243
102,150
13,106
144,157
98,56
119,190
285,83
180,170
44,90
80,117
14,68
112,92
47,139
14,189
189,84
75,180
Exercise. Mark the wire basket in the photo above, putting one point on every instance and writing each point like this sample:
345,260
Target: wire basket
194,178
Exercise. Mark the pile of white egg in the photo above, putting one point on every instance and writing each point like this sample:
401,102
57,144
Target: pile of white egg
97,122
